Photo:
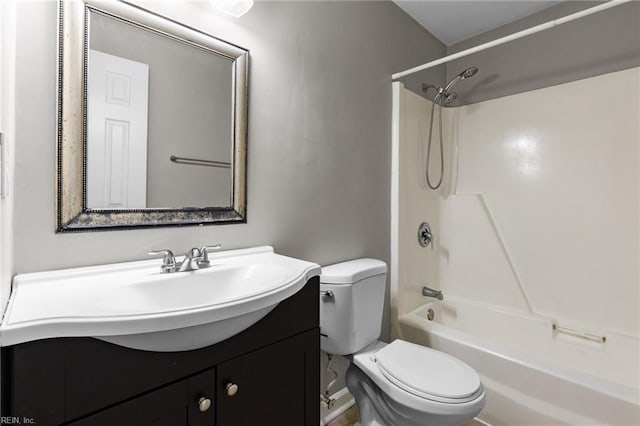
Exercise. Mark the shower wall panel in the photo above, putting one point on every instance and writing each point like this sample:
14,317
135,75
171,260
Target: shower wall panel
539,208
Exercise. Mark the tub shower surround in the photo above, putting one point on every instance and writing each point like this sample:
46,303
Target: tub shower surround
534,249
527,379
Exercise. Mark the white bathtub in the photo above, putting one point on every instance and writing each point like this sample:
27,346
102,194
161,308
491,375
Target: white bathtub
549,378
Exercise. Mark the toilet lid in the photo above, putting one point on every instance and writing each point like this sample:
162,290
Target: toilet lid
428,373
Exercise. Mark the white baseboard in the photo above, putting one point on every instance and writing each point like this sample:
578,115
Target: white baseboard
344,401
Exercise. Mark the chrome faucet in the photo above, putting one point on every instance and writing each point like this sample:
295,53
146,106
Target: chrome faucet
196,258
429,292
191,259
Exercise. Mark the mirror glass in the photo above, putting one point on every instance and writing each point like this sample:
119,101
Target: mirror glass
159,120
162,134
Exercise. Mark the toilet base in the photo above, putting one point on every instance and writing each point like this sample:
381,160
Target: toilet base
364,392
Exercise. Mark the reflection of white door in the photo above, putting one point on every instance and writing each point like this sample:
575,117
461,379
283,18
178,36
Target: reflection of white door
117,104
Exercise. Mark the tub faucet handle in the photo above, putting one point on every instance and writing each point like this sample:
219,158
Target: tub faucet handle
425,236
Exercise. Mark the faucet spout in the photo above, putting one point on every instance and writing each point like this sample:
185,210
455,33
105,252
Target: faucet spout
190,262
429,292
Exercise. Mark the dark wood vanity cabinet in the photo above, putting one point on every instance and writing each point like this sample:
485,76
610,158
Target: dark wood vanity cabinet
268,374
272,386
176,404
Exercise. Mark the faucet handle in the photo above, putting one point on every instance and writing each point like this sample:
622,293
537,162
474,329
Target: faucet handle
204,261
168,260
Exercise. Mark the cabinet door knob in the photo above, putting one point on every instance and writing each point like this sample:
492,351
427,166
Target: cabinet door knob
232,389
204,404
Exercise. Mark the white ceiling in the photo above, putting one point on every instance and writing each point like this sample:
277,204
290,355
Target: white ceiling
453,21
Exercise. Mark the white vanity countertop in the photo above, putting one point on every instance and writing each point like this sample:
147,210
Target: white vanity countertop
134,297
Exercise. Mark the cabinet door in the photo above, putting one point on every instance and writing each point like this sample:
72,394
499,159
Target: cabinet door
278,384
177,404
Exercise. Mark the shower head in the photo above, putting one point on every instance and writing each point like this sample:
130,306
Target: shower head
444,99
450,97
443,93
469,72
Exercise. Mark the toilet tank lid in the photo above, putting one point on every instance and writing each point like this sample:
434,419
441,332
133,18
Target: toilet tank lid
352,271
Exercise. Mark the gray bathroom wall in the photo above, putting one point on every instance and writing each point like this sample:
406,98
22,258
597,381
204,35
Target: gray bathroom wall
319,133
601,43
319,150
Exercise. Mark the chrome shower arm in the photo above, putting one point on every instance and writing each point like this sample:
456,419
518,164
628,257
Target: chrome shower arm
426,87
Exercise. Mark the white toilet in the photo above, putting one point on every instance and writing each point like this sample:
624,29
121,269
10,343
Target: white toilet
396,384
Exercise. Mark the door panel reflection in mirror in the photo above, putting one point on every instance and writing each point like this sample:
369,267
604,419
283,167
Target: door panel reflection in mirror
190,111
117,99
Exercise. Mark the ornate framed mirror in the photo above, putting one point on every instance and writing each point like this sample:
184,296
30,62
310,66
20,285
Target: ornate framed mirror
152,121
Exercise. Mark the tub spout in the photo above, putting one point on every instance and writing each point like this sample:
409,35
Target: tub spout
429,292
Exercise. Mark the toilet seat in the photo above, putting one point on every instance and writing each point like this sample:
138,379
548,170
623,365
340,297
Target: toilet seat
427,373
366,360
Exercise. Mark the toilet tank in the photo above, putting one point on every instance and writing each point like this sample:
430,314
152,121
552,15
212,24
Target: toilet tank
351,316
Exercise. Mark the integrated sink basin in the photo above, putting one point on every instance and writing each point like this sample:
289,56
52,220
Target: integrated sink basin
134,305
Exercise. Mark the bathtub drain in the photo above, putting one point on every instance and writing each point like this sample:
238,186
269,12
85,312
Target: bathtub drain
430,314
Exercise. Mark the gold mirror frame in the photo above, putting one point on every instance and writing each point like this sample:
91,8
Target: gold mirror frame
72,212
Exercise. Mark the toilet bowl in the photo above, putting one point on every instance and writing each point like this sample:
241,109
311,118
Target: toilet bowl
395,384
443,391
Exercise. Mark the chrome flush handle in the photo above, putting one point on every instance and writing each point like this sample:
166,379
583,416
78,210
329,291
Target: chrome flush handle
204,260
327,293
